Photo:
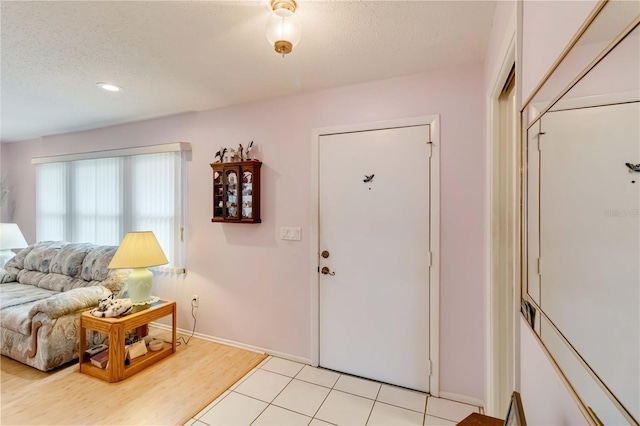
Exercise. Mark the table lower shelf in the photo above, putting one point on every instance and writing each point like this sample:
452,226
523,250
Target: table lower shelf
136,365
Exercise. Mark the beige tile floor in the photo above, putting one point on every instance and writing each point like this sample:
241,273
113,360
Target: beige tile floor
279,392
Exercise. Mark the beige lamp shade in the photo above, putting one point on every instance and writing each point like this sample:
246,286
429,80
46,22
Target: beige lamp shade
11,237
138,250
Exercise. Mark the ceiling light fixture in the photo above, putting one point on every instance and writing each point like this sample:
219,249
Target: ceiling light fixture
110,87
283,27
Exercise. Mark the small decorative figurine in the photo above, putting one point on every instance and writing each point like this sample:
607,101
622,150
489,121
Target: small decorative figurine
229,155
247,152
220,154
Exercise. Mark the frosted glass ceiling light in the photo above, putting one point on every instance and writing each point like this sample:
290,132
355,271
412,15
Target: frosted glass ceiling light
283,27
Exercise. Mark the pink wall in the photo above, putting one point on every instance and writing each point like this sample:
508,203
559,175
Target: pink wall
504,14
253,287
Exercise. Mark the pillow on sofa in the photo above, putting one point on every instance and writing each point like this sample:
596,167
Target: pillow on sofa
40,257
16,263
94,266
68,259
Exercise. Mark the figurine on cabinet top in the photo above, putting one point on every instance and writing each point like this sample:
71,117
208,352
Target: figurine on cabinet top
230,155
220,154
247,152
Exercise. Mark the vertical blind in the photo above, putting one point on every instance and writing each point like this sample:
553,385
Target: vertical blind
99,200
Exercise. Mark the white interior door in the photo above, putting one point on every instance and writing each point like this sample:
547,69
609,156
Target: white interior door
374,312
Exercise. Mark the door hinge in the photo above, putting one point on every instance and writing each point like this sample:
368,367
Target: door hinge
182,235
430,147
429,367
318,269
430,259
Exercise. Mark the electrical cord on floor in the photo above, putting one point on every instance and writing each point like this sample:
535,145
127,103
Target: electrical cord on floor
180,340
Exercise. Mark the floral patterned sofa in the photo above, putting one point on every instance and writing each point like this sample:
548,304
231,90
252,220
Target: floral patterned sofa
43,290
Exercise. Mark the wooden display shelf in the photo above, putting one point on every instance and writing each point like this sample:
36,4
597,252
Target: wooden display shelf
116,328
236,192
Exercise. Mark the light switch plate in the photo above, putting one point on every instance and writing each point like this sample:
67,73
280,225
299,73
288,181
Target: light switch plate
291,234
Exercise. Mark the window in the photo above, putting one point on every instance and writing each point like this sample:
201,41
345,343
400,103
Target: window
99,197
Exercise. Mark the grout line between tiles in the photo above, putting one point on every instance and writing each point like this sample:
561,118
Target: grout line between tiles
306,381
321,404
280,374
258,416
325,398
217,401
444,418
424,415
458,402
374,404
286,409
394,405
264,361
242,380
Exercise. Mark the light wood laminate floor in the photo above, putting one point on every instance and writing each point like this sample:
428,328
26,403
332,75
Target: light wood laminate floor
169,392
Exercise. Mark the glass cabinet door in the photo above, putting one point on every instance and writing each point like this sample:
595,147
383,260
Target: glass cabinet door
218,195
247,194
231,180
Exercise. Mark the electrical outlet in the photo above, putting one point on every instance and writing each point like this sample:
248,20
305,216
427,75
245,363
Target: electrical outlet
195,300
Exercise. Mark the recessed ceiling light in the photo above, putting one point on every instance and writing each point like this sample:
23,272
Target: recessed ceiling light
110,87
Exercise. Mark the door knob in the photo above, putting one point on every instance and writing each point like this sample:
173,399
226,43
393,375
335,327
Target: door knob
326,271
324,254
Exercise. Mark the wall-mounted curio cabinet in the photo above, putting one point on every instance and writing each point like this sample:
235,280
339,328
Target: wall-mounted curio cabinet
236,192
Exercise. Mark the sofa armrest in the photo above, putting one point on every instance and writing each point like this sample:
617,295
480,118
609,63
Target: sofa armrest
6,276
76,300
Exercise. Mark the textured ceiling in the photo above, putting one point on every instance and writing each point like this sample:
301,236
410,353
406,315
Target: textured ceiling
178,56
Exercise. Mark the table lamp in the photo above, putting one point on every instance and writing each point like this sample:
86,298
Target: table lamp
10,238
138,251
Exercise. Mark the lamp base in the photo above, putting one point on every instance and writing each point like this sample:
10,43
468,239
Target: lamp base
139,285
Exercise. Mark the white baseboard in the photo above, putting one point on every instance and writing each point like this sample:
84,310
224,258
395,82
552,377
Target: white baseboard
462,398
235,344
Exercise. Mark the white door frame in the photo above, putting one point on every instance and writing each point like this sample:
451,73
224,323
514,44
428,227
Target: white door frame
433,121
500,73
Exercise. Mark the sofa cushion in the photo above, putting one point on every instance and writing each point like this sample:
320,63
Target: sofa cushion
59,282
68,259
16,300
41,256
94,266
26,276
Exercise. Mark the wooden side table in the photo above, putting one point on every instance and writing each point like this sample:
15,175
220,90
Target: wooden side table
116,328
476,419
